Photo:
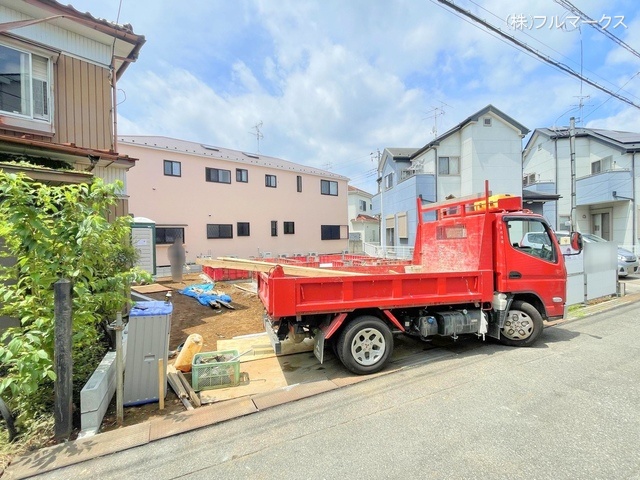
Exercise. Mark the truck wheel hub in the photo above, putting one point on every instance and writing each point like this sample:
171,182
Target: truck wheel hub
517,326
368,347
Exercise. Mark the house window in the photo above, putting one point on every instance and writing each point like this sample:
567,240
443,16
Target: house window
486,122
403,225
388,181
602,165
328,187
299,183
528,179
288,228
172,168
168,235
363,205
448,166
218,176
274,228
219,230
24,83
334,232
242,175
242,229
270,181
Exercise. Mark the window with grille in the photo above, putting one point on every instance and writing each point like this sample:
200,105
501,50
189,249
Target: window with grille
270,181
242,175
172,169
288,228
242,229
168,235
219,230
217,175
328,187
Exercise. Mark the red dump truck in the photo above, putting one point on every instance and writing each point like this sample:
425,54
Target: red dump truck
470,274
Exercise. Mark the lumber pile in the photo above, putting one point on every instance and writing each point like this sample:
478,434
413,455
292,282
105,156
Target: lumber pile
182,388
258,266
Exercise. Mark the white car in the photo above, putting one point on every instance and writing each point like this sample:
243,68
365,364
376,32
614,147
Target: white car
627,261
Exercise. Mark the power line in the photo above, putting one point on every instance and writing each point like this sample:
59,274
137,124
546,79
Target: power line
594,23
536,53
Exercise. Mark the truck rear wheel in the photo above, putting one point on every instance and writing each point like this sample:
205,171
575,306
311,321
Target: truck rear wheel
522,326
365,345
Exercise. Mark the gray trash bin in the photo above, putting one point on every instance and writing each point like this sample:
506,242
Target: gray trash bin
148,341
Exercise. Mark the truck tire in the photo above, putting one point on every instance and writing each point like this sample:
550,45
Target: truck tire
522,326
365,345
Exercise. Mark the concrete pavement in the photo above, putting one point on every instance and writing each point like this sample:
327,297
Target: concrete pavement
332,377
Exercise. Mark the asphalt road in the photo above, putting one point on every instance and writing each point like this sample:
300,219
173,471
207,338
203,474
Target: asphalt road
568,408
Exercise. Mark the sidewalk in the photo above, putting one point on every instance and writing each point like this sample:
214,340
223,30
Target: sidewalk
315,382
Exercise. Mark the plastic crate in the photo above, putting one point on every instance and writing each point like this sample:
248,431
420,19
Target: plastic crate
208,373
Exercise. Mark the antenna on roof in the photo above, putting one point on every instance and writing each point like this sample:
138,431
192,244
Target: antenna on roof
437,111
258,133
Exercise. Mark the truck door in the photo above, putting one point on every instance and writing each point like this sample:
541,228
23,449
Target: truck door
530,262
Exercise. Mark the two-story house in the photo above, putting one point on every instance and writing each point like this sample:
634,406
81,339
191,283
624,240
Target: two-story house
485,146
58,74
224,202
363,226
605,189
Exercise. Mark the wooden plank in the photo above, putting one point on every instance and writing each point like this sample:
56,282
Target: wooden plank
193,396
257,266
178,387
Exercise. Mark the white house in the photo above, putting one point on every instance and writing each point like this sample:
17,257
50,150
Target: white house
606,189
363,226
485,146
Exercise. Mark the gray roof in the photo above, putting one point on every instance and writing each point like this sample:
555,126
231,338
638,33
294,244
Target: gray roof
221,153
624,141
474,118
397,152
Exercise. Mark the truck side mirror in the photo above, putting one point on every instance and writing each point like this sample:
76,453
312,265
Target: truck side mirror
576,241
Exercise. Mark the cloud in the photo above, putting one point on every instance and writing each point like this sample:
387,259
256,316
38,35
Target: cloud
332,81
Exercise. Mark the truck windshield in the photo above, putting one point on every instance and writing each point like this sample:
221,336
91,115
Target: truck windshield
531,237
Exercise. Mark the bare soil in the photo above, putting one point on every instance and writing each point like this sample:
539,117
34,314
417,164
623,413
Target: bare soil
188,317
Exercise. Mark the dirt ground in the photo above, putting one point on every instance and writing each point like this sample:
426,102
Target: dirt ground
188,317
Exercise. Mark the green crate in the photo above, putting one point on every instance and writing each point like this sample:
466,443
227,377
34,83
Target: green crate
208,373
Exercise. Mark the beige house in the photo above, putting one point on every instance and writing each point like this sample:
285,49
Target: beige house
224,202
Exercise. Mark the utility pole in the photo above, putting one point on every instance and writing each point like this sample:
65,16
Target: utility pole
572,153
383,230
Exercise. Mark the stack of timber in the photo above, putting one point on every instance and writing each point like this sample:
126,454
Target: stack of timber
183,389
257,266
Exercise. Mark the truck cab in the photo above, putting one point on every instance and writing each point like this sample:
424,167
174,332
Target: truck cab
471,273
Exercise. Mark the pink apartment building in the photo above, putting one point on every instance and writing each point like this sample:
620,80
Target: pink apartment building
226,202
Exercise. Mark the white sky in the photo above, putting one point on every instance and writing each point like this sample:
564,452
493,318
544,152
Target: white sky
333,81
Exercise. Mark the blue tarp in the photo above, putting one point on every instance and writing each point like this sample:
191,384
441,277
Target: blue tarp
203,293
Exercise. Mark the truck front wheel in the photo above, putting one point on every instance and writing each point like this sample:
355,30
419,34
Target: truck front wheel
365,345
522,326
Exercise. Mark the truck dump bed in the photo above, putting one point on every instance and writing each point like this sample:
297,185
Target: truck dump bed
285,296
452,264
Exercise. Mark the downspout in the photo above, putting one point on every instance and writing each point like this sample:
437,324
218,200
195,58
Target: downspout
114,100
435,173
634,220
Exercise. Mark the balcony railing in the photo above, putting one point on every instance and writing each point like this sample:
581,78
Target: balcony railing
378,251
600,187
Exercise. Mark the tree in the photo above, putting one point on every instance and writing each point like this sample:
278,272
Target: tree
55,232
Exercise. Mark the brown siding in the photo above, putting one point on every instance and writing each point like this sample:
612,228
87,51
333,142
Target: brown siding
82,104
